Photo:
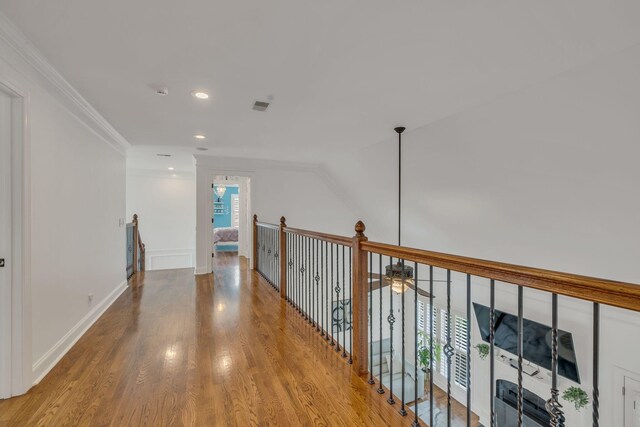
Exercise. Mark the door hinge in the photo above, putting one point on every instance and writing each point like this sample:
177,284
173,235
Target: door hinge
623,391
211,220
212,186
1,262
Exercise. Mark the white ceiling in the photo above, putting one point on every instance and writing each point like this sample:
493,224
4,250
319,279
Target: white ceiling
341,73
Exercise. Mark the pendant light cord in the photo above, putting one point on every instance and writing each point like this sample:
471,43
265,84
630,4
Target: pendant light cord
399,187
399,130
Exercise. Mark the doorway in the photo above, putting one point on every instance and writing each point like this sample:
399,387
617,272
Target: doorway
631,402
15,338
230,223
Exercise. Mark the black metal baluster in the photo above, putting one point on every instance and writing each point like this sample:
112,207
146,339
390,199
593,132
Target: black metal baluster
492,329
380,389
448,349
371,381
415,422
321,285
596,365
312,272
403,411
553,406
326,291
298,285
391,319
431,340
337,309
344,312
305,300
349,260
520,349
318,287
331,302
468,350
309,281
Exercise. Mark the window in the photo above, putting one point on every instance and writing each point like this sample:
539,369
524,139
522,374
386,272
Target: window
235,211
459,330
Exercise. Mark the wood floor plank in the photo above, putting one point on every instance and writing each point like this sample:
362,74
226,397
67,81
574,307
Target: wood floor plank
214,350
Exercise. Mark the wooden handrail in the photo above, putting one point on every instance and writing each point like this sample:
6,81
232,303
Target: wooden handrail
604,291
331,238
138,261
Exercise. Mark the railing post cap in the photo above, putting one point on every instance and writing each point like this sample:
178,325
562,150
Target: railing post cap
283,221
255,217
360,228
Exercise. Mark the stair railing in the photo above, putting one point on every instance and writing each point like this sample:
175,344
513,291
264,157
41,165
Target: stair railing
354,292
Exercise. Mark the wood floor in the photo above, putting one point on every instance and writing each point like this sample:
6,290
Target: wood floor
212,350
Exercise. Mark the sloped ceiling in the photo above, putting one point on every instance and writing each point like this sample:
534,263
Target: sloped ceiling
341,74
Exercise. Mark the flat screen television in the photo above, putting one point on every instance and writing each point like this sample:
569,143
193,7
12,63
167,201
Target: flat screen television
536,340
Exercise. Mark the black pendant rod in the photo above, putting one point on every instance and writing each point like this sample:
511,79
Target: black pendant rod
399,130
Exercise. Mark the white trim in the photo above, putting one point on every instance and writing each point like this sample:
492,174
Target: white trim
20,303
60,86
154,173
152,256
42,367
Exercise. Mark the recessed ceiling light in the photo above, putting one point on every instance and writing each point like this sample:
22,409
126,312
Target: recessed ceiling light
199,136
201,148
163,155
200,95
174,175
170,168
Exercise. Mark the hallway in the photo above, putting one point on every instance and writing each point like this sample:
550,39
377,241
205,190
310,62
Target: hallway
176,349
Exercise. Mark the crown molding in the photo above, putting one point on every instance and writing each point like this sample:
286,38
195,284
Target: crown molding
80,107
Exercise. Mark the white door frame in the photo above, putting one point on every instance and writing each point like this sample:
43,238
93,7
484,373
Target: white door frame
244,232
20,375
205,177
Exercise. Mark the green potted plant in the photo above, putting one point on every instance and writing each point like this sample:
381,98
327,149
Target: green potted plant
424,353
577,396
483,350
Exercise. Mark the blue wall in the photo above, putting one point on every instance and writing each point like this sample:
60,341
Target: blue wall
223,220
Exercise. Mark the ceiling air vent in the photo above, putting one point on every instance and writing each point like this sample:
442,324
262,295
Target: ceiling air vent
163,155
260,106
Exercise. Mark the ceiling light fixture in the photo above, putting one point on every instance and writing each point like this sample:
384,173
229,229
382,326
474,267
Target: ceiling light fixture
200,95
171,168
199,136
201,148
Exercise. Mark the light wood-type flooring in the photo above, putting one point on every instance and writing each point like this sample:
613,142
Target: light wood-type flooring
212,350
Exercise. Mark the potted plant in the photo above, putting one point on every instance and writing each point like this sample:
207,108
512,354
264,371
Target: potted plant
483,350
577,396
424,353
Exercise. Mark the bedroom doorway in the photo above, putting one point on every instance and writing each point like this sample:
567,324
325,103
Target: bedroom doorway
229,219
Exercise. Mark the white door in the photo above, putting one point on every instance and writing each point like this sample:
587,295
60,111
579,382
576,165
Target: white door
5,245
631,402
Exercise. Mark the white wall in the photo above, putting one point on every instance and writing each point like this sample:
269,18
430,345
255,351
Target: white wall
77,198
166,208
546,177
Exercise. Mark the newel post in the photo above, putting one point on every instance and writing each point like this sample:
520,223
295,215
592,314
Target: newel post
136,242
360,302
254,258
283,258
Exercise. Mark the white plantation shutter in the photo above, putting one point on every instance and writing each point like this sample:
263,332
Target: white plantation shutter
459,328
444,327
461,351
235,210
421,316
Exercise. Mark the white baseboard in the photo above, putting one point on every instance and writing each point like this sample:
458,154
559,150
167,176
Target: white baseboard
201,270
42,367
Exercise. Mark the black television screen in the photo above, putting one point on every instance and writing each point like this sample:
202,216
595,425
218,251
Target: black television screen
536,340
